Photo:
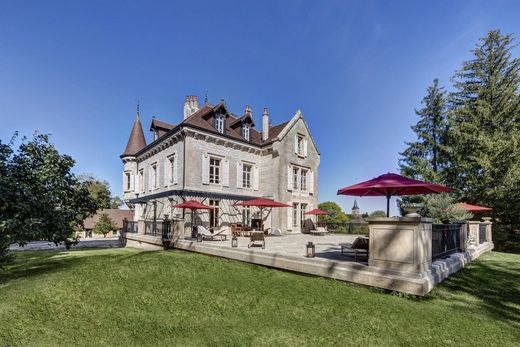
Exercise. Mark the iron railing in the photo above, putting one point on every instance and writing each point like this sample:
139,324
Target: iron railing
446,239
158,228
482,233
129,226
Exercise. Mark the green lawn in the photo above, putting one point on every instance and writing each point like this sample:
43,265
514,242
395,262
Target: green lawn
129,297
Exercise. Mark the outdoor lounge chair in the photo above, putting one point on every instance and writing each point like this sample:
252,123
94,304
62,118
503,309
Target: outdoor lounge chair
206,234
256,237
360,245
314,230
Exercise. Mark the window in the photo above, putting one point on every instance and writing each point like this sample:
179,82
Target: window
300,145
154,176
246,131
303,208
171,172
141,180
303,180
219,123
127,181
295,214
214,213
246,215
295,178
246,175
214,170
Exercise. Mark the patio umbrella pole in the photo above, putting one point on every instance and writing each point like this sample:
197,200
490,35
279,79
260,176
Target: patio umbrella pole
388,205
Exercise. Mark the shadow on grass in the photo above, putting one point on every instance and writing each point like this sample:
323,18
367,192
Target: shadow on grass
494,282
39,262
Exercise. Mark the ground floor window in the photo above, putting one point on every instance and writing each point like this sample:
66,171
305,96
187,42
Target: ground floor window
214,213
295,215
246,215
303,209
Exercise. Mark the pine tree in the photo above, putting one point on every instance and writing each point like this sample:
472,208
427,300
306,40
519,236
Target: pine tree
484,128
425,158
105,225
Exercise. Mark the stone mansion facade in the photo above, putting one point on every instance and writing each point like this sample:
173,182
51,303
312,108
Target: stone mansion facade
219,159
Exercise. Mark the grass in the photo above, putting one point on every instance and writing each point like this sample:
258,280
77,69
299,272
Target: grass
129,297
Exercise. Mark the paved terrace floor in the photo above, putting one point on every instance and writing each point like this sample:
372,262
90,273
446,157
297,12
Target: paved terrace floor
327,246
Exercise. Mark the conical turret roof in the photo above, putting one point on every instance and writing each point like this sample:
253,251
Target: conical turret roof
136,142
355,207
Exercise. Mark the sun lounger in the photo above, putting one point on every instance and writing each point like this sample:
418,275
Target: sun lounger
360,245
207,235
254,237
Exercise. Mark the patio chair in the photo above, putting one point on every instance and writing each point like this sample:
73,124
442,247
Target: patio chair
360,245
206,234
314,230
274,232
256,237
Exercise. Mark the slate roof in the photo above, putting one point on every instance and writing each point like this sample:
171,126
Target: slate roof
136,141
115,214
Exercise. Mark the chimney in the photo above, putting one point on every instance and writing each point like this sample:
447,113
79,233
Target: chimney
191,105
265,124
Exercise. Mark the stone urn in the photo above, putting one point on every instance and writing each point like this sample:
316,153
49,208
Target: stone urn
412,210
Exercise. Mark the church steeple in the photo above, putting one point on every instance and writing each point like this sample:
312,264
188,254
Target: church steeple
136,141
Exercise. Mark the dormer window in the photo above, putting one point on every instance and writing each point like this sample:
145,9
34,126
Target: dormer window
219,123
246,131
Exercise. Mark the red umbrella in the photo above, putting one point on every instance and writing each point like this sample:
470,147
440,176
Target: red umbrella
262,202
193,205
474,208
318,212
391,184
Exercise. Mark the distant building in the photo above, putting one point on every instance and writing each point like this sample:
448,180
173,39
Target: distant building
115,214
356,213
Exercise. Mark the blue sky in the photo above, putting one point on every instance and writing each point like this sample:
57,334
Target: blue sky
357,69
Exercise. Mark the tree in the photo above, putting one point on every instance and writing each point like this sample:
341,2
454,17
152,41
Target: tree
378,213
41,199
105,225
100,192
426,158
336,216
484,131
442,208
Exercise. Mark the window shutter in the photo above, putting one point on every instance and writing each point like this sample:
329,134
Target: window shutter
166,173
175,179
136,182
289,215
305,147
205,169
132,182
296,144
240,169
310,184
256,177
225,173
149,178
289,178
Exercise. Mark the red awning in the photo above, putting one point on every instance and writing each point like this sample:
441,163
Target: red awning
193,205
261,202
474,208
318,212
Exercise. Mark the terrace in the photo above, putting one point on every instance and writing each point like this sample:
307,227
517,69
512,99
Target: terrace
405,254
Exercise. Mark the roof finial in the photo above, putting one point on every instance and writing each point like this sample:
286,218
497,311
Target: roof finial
138,104
205,97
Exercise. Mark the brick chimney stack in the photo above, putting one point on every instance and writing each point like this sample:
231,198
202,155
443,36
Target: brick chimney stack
191,105
265,124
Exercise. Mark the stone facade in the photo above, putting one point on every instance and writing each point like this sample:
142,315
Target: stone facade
152,182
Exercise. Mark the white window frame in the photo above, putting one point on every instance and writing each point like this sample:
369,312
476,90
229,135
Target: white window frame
219,123
295,180
172,161
154,178
215,177
303,209
247,176
295,213
246,130
215,213
142,187
303,179
300,144
246,215
128,181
